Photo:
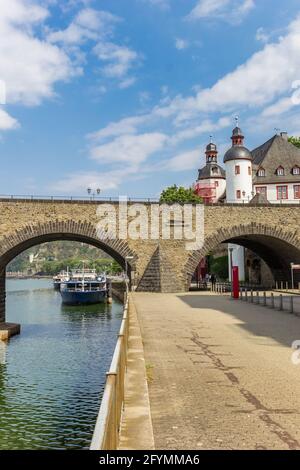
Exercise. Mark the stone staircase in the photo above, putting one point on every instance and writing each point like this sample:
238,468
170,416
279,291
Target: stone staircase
159,275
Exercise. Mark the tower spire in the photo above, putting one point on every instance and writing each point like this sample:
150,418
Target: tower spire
237,134
211,152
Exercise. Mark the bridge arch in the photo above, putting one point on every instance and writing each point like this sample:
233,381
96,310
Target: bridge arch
276,246
35,234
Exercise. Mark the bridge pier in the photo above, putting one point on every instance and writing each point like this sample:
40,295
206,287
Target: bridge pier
6,329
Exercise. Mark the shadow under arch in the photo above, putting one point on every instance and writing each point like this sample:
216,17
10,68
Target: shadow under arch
85,232
276,246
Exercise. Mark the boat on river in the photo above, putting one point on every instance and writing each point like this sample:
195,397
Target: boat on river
84,287
59,278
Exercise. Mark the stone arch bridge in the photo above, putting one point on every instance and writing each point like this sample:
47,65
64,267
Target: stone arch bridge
155,265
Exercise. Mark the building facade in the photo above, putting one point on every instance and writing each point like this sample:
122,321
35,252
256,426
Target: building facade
211,183
268,174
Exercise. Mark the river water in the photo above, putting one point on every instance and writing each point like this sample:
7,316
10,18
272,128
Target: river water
52,375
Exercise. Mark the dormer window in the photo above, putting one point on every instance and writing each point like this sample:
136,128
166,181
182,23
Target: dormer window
261,172
280,171
296,170
215,170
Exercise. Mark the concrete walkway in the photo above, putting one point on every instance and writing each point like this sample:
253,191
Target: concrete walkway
222,376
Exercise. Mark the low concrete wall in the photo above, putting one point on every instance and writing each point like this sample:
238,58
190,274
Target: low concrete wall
124,420
118,290
136,432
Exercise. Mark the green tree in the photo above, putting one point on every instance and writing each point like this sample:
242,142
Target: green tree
219,266
179,194
295,141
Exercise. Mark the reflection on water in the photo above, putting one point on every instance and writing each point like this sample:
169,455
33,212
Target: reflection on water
52,375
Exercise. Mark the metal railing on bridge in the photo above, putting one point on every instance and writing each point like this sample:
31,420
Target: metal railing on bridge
107,429
99,199
86,199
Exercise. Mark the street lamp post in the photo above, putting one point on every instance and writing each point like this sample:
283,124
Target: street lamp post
292,273
93,192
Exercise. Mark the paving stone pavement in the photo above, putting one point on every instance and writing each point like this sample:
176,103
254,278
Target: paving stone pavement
221,375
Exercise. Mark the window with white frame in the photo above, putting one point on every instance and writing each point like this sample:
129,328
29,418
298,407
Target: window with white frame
280,171
282,192
261,172
297,191
296,170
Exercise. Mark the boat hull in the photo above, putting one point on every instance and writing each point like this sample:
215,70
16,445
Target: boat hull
82,297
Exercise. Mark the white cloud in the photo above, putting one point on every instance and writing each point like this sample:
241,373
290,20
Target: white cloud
281,106
261,88
233,11
21,12
144,97
130,149
81,180
205,8
7,122
114,129
29,65
119,59
98,26
184,161
207,126
181,44
264,77
128,82
89,24
261,35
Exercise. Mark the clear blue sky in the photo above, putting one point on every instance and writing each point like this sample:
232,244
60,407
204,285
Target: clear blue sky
123,95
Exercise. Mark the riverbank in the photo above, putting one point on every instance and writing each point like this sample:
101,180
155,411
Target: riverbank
24,276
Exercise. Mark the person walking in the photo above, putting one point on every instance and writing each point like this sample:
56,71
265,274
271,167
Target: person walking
213,281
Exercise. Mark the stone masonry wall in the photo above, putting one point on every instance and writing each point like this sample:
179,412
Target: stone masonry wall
25,223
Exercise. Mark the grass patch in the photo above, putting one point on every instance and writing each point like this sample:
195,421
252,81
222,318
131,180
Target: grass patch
149,373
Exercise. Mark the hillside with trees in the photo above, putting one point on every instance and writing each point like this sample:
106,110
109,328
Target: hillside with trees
52,257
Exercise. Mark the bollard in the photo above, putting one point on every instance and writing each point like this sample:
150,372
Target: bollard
291,304
272,300
287,285
257,298
241,293
265,298
251,296
280,302
276,285
298,286
246,295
